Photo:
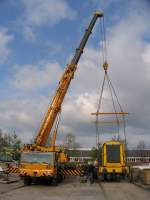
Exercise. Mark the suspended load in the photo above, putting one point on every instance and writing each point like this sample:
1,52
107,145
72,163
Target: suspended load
111,153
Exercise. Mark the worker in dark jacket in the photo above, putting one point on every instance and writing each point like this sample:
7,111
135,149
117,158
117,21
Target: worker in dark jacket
90,172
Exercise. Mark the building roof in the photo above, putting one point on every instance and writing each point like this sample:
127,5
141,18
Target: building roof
138,153
79,153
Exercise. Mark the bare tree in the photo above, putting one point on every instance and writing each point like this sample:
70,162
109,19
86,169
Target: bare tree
70,141
141,145
10,145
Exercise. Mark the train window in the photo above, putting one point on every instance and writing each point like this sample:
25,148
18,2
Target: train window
113,153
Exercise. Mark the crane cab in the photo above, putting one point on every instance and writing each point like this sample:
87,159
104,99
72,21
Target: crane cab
41,163
38,165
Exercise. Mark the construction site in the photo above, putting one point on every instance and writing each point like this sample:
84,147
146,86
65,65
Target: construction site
109,167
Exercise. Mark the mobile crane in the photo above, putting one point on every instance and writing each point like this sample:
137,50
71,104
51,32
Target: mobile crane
39,161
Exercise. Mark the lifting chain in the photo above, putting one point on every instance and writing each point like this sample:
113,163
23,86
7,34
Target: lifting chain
114,97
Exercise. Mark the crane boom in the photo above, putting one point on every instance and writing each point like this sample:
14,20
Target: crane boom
55,106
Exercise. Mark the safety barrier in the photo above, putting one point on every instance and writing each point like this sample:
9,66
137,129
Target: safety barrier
12,170
75,171
72,171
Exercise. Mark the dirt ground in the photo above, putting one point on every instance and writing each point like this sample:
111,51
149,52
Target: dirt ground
72,189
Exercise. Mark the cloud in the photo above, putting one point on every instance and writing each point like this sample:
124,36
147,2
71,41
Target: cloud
129,54
29,34
88,73
40,75
22,116
5,39
127,49
38,13
146,55
129,63
25,115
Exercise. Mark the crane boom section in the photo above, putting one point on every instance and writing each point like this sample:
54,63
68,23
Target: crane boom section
64,83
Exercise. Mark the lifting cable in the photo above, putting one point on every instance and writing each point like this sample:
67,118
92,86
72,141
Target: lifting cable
121,109
103,58
98,109
57,122
111,90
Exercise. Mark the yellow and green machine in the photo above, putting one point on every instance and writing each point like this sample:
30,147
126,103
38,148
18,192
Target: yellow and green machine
112,164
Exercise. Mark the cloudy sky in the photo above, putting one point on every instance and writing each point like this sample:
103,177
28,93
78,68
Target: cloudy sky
38,39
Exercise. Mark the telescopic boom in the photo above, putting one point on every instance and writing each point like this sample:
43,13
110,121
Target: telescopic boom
64,83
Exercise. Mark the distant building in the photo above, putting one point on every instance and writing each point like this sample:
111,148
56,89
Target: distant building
138,156
132,156
80,155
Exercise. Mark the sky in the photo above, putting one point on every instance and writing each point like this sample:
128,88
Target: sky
38,39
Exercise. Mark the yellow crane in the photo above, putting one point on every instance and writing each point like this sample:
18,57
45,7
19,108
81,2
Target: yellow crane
39,161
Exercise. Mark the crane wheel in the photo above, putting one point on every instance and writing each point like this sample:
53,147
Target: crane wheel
27,181
55,181
59,178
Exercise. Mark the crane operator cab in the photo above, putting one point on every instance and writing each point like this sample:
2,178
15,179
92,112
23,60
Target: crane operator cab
38,165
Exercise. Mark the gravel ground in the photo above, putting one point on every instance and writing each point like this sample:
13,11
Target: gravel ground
72,189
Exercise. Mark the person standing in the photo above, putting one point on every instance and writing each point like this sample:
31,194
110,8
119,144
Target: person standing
90,172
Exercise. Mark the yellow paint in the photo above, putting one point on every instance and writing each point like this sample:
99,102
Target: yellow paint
111,167
37,170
